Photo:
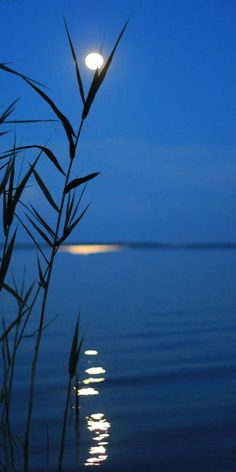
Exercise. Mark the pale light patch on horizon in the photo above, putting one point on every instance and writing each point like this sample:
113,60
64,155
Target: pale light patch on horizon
88,249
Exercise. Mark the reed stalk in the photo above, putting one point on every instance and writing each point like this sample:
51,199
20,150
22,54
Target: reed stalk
67,219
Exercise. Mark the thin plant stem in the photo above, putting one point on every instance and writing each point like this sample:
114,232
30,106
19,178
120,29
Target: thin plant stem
42,315
64,426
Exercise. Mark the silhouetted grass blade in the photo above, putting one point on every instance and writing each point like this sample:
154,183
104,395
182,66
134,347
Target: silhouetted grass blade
4,67
40,231
12,292
6,342
6,176
4,212
6,259
69,207
75,350
69,229
99,77
91,95
41,276
33,239
76,182
46,150
8,111
45,191
20,188
65,122
11,326
3,166
20,122
72,215
42,221
5,155
109,60
10,212
81,88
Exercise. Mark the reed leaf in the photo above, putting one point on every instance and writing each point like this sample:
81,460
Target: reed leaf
99,77
6,176
6,341
79,80
6,259
4,165
91,95
8,111
41,276
46,151
4,67
41,220
28,293
79,181
10,190
65,122
13,292
105,68
19,190
45,191
11,326
5,155
75,209
40,231
75,351
69,208
29,121
32,237
69,229
4,213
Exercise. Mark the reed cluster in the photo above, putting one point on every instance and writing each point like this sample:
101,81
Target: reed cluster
17,212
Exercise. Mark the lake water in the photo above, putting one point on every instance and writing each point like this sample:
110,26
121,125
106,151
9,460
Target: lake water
160,392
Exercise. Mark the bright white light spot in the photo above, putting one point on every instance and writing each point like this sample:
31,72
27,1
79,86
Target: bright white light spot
95,371
93,380
94,61
97,416
87,391
91,352
97,450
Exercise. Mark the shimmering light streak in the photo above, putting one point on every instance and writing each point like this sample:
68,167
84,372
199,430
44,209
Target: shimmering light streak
91,352
98,424
100,437
97,416
87,391
93,380
95,371
97,450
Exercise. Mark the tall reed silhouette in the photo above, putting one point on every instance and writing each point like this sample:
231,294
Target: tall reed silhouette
67,214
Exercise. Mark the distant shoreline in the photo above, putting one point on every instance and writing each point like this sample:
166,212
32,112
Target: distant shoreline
143,245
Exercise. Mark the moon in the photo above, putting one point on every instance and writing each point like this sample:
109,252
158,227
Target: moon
94,61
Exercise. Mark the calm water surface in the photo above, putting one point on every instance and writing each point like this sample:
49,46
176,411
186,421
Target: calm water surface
158,390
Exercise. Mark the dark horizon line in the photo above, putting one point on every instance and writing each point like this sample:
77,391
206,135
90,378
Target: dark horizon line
142,245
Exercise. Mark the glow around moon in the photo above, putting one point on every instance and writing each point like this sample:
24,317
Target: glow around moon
94,61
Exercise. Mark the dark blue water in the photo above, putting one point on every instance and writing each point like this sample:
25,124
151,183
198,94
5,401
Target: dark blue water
163,324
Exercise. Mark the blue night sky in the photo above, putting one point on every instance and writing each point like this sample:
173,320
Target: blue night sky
162,128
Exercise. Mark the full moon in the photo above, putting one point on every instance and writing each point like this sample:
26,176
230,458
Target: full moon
94,61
